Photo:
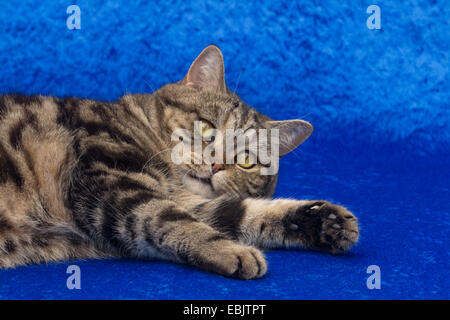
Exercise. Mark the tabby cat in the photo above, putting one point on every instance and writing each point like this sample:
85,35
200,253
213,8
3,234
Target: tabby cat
87,179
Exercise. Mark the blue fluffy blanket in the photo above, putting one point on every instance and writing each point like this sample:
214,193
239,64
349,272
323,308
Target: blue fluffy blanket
379,101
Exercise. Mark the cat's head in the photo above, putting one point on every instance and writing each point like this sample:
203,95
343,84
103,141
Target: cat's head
200,111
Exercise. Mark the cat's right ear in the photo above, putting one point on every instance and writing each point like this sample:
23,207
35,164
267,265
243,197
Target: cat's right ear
292,133
207,71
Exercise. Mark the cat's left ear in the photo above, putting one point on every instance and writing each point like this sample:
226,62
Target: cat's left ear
207,71
292,133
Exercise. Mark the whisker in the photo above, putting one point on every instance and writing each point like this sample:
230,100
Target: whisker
237,83
148,161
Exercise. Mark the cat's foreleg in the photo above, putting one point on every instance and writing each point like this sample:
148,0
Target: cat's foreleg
124,214
180,236
292,223
133,221
283,223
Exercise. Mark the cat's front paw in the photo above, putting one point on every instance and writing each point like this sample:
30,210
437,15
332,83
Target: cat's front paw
323,225
237,261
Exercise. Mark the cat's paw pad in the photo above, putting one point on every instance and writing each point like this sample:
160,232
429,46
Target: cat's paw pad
327,226
339,228
238,261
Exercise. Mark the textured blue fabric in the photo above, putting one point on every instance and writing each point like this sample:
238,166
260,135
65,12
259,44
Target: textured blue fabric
379,101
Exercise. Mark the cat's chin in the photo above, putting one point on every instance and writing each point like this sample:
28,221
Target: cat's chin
218,180
199,185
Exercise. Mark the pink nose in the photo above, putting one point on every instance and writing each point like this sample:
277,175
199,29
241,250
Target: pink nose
216,167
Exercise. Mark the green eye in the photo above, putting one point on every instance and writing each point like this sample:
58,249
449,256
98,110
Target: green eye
206,129
246,160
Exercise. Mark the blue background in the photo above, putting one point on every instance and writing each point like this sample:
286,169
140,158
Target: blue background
379,101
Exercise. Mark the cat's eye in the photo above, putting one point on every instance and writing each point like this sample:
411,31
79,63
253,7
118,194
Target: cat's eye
246,160
206,129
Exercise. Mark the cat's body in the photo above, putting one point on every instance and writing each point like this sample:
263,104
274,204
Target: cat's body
89,179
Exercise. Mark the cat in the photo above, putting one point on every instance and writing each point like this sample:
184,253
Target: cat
86,179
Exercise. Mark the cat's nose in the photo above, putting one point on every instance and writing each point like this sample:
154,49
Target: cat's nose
216,167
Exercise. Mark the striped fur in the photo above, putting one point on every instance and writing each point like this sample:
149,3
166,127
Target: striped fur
88,179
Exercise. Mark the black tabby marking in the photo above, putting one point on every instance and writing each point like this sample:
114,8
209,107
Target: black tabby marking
124,160
229,216
130,203
171,215
124,183
217,237
8,169
111,220
10,246
4,224
24,100
130,225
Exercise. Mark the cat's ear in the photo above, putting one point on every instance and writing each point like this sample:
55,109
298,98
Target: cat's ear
207,71
291,133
